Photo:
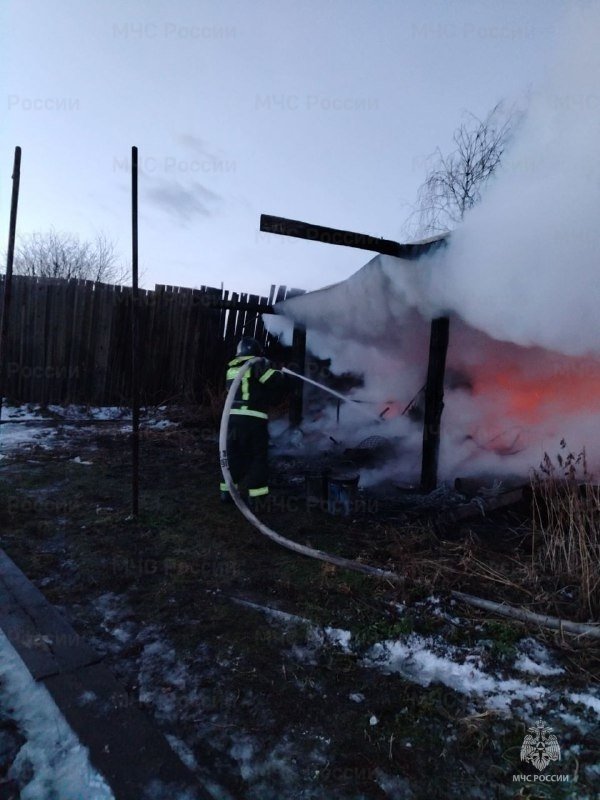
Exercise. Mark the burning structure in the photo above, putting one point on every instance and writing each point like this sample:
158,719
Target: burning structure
504,402
518,282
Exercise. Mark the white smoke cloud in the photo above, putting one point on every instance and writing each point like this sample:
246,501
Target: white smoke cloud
525,264
520,279
504,403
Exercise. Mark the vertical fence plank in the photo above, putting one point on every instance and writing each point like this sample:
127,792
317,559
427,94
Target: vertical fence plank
103,296
260,332
251,317
241,319
65,347
39,343
27,310
230,327
281,293
86,387
215,369
54,317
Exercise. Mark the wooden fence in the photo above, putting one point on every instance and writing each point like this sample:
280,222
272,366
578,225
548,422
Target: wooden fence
70,340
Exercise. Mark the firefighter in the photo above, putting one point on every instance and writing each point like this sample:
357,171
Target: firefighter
248,434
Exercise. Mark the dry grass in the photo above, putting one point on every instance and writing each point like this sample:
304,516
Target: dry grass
214,400
417,555
566,526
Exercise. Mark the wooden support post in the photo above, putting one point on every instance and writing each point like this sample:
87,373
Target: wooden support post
16,179
299,359
135,385
434,402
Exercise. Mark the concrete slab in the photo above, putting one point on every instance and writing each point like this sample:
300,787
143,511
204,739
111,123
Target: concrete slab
39,633
124,744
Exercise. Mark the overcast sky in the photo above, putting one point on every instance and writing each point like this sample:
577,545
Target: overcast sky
322,111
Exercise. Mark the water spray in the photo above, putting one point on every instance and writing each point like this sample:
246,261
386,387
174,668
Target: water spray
339,396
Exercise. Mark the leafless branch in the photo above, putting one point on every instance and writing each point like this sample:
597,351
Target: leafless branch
54,254
455,182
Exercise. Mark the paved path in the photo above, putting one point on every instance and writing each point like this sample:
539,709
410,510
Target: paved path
124,743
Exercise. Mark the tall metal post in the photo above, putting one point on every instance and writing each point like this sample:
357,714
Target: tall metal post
135,384
16,179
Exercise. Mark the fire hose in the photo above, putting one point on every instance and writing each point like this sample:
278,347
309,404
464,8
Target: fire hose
357,566
339,396
311,552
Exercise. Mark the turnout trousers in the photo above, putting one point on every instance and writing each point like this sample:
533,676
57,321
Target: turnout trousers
248,454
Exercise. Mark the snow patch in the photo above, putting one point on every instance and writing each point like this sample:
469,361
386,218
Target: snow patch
587,700
535,659
52,762
357,697
77,460
415,660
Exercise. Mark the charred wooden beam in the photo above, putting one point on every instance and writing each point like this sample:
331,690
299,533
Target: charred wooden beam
480,506
299,359
434,402
320,233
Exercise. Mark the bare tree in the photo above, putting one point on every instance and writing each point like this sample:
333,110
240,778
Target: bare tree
63,255
454,182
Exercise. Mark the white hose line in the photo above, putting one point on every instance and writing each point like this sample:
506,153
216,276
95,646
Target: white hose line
576,628
345,563
543,620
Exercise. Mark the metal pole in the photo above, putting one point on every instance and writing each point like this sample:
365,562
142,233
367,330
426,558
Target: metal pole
135,387
16,179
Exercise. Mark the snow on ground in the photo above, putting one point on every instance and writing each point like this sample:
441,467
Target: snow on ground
528,687
20,433
416,659
429,659
52,762
28,425
534,659
173,690
587,700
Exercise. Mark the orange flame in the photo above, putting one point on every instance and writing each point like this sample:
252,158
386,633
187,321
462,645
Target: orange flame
573,386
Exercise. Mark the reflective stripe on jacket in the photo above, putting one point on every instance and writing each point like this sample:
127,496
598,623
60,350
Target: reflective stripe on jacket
254,395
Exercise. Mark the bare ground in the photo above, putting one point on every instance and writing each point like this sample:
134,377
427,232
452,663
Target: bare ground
266,706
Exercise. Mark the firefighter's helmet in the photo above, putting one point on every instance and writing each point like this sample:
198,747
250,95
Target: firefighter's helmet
247,346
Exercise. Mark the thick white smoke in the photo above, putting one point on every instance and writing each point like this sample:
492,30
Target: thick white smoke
520,279
505,404
525,264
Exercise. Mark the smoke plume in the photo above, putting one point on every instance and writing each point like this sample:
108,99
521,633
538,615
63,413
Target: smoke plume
525,264
520,280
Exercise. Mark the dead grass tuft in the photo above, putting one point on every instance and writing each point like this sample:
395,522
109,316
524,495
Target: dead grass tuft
566,526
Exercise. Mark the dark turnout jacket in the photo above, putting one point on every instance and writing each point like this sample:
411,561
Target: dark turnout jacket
262,386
